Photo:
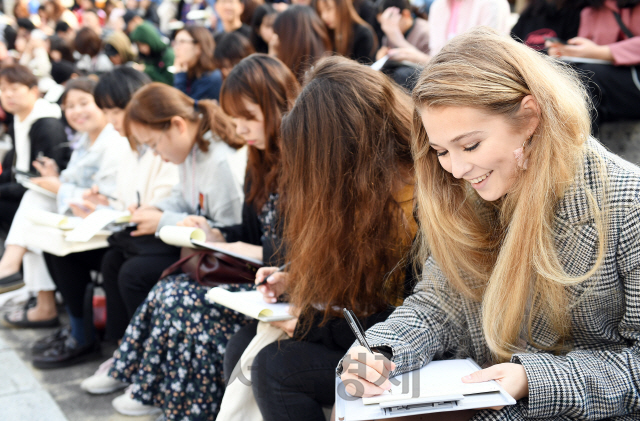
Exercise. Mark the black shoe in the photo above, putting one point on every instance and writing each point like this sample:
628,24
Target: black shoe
66,353
41,345
11,282
23,322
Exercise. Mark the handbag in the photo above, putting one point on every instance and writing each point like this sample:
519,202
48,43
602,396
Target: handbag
212,268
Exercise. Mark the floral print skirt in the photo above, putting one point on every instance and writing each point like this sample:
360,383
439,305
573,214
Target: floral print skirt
173,349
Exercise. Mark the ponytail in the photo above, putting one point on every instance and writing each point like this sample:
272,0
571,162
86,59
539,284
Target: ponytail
215,120
155,104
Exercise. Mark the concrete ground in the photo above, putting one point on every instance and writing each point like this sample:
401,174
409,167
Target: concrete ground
28,394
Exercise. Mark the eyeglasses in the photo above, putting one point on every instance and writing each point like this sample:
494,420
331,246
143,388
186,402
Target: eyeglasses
183,41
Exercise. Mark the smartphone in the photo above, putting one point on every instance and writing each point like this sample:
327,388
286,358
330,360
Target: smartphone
555,40
25,173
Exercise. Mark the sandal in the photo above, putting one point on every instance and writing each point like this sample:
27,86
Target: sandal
24,323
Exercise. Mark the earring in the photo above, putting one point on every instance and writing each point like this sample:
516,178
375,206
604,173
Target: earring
519,154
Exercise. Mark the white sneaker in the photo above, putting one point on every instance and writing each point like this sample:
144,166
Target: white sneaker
126,405
101,383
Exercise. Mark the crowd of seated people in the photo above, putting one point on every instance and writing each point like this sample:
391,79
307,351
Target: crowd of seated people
432,166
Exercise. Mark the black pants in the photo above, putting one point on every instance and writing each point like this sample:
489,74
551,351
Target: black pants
127,282
612,90
292,380
8,208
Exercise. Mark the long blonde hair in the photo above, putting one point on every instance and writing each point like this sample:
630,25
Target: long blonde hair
503,253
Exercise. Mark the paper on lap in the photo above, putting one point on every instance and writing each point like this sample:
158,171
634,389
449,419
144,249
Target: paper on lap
53,220
250,303
95,222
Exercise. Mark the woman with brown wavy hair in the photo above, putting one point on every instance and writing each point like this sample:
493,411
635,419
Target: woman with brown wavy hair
347,186
351,36
299,39
195,72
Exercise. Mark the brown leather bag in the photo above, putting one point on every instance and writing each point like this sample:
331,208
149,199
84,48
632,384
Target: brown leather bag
212,268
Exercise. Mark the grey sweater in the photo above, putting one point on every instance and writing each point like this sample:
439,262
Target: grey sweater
212,176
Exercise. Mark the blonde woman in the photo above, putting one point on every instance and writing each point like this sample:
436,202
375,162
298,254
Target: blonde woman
531,230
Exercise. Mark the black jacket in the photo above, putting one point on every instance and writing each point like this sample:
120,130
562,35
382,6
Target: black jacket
48,137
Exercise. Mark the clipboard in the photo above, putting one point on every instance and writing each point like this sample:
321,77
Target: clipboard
445,374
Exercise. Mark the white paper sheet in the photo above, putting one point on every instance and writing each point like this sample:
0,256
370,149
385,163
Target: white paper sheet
94,223
445,375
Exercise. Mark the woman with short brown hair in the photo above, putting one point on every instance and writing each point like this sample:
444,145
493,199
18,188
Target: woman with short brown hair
195,70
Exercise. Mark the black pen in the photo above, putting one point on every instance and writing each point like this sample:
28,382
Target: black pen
138,196
280,269
198,210
356,327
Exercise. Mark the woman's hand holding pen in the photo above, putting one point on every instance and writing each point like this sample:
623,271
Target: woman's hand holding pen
365,374
271,283
47,167
213,234
146,218
93,195
512,377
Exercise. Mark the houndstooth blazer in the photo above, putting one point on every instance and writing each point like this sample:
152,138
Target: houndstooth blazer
600,377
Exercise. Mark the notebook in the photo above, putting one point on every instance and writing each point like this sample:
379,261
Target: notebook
27,183
436,387
250,303
195,237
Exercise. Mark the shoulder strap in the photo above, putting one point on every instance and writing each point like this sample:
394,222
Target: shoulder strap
621,24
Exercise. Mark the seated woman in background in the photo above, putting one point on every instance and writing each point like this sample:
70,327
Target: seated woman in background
230,49
162,349
507,173
299,39
614,89
94,161
548,18
141,177
262,27
195,71
345,151
350,35
450,18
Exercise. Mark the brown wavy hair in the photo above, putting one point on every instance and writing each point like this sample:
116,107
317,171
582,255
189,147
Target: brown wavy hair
345,152
303,38
268,82
203,38
156,103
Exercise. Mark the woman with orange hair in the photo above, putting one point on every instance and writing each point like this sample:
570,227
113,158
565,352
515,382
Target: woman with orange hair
347,196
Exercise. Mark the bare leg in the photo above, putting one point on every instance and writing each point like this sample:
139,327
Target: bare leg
46,307
11,260
44,310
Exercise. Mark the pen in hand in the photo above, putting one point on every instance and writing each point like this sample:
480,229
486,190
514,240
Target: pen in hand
357,329
265,280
